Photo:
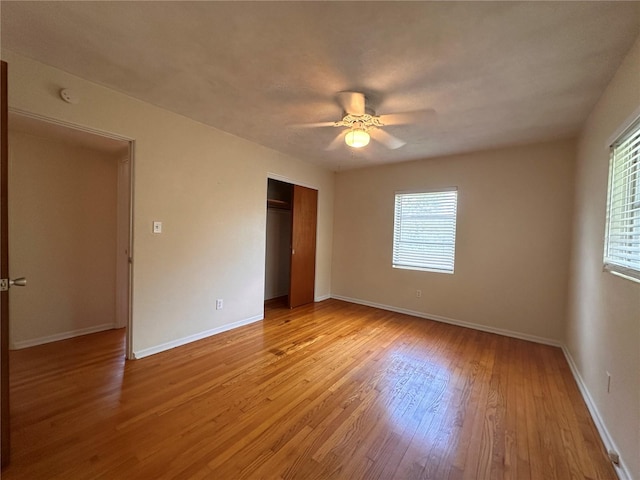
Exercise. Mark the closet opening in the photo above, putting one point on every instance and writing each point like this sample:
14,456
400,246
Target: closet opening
278,248
290,253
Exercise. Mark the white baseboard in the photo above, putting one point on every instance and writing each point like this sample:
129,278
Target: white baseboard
609,444
322,298
145,352
61,336
453,321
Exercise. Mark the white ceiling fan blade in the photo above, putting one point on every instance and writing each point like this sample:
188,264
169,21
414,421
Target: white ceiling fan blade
336,142
418,116
386,139
313,125
352,102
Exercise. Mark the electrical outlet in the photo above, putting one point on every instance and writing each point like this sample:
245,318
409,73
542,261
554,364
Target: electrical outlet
219,304
418,293
608,382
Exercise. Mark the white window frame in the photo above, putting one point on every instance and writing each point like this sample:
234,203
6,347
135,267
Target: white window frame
622,231
418,253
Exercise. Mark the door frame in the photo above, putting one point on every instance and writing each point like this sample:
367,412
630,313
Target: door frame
114,136
282,178
5,434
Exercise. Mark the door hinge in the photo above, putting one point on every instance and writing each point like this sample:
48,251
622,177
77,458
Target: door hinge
4,284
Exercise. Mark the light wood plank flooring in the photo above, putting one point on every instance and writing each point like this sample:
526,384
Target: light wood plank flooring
331,390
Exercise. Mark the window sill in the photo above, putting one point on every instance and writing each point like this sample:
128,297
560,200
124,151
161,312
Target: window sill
433,270
622,275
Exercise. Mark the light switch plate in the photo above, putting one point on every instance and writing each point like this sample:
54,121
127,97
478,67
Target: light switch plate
157,227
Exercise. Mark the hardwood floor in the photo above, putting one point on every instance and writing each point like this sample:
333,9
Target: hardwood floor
331,390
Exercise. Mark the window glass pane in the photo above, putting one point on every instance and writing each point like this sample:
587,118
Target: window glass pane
622,237
425,230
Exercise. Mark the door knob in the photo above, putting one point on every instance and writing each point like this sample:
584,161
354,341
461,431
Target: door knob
5,283
18,282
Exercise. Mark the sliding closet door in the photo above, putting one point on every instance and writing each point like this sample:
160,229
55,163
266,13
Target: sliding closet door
303,245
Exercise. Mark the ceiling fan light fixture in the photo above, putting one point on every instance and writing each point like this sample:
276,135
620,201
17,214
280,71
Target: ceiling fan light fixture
357,138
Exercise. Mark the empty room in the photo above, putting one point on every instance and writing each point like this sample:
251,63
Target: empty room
320,240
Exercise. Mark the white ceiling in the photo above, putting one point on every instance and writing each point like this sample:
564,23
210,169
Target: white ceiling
497,73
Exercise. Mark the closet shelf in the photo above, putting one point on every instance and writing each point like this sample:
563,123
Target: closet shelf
273,203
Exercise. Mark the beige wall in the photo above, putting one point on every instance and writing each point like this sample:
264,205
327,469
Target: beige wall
603,332
512,245
209,190
62,210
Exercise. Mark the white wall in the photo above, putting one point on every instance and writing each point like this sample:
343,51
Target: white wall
603,331
512,245
209,190
62,211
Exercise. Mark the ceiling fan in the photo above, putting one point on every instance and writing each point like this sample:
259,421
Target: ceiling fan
361,123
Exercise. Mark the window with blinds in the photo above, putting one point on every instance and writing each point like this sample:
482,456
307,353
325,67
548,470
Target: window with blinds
622,237
424,233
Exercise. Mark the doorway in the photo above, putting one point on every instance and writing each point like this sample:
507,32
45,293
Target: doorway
290,254
278,244
69,230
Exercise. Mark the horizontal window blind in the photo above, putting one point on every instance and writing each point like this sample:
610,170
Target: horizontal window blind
622,238
424,234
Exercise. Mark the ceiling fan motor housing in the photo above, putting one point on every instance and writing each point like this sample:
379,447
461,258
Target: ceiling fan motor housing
364,121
